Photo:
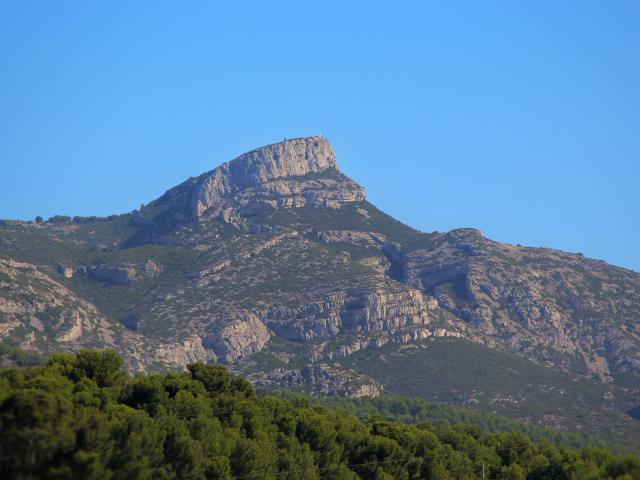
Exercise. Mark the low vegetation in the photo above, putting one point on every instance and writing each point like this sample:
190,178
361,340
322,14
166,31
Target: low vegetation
83,417
495,381
416,411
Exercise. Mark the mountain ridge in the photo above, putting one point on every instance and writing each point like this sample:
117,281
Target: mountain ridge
279,175
276,264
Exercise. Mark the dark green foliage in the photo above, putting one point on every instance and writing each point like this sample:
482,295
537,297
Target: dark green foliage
10,355
416,410
103,367
83,417
60,219
445,370
93,219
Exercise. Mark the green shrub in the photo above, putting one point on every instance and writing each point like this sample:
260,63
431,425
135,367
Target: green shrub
82,417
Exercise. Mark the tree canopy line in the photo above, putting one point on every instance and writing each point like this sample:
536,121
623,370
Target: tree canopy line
416,410
82,416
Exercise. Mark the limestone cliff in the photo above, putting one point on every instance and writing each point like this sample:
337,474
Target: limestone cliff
262,167
291,174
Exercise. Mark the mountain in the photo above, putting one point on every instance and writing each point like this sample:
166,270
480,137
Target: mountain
276,264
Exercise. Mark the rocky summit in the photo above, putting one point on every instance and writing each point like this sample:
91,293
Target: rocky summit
276,264
292,174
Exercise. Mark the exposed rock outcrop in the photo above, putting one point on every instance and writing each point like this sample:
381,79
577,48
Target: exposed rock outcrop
295,173
320,379
45,312
238,337
188,350
291,174
377,310
540,302
125,274
291,158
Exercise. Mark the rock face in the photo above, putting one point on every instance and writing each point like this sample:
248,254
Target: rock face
320,379
120,274
266,167
123,274
238,337
374,309
540,302
46,312
296,173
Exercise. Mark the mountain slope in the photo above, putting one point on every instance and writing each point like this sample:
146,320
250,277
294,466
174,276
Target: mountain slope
276,264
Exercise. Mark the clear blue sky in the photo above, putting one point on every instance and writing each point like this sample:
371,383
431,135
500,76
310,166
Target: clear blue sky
519,118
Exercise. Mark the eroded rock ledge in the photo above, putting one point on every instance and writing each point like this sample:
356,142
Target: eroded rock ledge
291,174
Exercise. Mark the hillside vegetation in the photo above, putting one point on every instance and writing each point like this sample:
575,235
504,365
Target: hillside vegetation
415,411
82,416
495,381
